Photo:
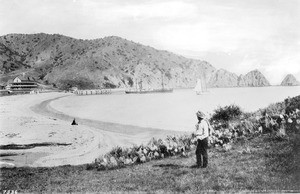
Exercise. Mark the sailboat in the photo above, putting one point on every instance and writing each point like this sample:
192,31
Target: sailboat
200,87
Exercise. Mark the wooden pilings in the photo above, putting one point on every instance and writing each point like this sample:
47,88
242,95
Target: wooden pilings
93,92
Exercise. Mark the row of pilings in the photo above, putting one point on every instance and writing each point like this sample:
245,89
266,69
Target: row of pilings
93,92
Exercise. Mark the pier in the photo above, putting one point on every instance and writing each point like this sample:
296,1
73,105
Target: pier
93,92
100,91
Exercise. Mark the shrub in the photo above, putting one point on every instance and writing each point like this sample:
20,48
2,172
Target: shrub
276,108
287,107
226,113
292,104
90,166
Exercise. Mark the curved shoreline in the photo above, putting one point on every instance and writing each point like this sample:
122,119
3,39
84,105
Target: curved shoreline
44,108
105,136
30,119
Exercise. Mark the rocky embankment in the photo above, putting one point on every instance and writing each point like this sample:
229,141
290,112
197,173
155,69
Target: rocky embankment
290,80
223,78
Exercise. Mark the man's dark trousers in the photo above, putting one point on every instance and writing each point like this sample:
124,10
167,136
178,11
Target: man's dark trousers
201,152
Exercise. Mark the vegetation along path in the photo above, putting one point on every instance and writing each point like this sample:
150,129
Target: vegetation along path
268,161
268,164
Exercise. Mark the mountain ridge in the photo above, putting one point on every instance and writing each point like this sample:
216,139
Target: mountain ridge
108,62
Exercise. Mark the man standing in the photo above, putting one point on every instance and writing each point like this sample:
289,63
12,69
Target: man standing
202,134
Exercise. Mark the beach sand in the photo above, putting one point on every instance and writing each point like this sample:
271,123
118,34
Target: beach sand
29,119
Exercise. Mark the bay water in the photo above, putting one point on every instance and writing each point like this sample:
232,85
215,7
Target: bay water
170,111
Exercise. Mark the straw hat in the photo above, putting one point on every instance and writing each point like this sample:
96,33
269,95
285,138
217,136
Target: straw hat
200,114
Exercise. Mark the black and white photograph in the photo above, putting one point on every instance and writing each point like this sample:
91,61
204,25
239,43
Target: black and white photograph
149,96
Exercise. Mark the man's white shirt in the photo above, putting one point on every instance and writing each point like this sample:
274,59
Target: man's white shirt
202,130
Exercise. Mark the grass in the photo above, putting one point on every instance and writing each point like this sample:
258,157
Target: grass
270,165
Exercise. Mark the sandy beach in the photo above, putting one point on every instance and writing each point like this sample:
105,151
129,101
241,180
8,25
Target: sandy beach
30,120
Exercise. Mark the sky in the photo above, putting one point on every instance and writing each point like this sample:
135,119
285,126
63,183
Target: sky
236,35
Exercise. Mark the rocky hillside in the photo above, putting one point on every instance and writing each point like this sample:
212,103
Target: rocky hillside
101,63
223,78
253,78
290,80
108,62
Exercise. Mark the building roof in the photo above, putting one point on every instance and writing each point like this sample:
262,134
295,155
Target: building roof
24,78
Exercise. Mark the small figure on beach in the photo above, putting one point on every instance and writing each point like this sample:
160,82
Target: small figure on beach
202,133
74,122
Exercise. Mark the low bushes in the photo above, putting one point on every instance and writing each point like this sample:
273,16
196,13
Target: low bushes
229,124
285,118
155,149
292,104
226,113
222,137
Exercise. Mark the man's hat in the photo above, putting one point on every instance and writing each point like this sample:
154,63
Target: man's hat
200,114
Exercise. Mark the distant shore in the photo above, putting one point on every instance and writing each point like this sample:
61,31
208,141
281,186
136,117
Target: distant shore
29,119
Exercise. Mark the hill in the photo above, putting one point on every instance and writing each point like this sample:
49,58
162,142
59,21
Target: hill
101,63
223,78
108,62
290,80
254,78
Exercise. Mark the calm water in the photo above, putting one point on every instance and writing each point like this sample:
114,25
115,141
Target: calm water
173,111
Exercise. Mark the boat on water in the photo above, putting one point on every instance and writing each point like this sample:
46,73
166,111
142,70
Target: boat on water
200,87
162,90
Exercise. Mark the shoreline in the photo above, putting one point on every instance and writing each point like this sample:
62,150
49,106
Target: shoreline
88,140
45,109
30,119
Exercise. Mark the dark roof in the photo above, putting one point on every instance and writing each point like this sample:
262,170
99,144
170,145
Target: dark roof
25,78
